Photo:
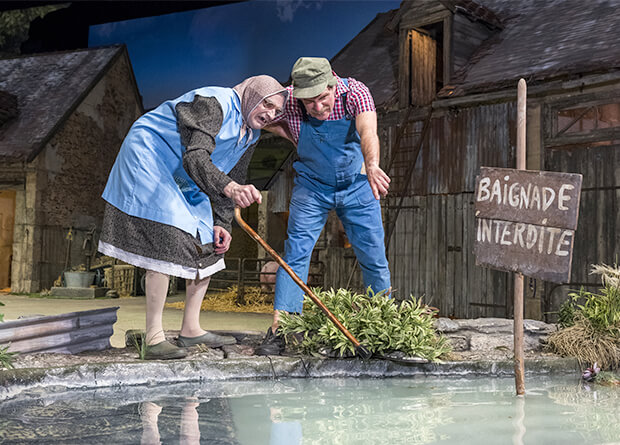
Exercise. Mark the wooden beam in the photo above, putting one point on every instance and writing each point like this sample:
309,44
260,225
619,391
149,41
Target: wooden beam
447,50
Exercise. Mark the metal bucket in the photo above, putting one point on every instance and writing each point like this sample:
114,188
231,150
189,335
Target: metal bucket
79,279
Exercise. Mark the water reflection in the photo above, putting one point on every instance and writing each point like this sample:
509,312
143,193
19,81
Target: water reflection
189,433
519,421
343,411
319,411
283,432
591,408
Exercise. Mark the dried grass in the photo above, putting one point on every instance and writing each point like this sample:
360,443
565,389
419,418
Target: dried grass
610,275
255,301
586,344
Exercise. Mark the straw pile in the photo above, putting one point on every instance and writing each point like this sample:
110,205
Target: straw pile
591,323
255,301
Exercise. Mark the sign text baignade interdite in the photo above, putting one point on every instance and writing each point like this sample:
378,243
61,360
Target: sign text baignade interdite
526,221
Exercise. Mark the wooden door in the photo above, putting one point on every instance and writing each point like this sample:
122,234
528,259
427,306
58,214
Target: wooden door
7,222
418,69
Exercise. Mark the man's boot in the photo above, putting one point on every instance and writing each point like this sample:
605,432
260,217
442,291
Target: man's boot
273,344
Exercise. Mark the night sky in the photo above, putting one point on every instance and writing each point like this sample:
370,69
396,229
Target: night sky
222,45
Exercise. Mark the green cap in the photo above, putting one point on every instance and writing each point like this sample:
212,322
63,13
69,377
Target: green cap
311,75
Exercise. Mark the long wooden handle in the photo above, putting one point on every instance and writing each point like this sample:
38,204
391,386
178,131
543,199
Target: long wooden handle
295,278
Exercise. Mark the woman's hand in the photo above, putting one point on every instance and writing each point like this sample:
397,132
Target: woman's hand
221,239
242,195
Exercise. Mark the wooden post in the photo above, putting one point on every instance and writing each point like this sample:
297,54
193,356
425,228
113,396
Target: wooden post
518,278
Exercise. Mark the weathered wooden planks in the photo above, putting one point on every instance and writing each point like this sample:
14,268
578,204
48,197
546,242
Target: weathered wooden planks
68,333
526,221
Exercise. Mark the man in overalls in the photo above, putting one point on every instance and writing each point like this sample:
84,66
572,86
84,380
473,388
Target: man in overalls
333,122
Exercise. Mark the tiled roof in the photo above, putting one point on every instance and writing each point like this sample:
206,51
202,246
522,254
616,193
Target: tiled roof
48,87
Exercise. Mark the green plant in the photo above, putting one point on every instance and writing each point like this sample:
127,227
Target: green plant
601,310
566,314
378,322
608,378
138,341
14,25
1,315
590,323
6,357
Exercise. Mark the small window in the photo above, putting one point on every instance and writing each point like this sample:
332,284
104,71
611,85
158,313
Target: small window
585,119
592,124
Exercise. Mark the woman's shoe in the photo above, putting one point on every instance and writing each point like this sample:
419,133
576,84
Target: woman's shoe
164,351
208,339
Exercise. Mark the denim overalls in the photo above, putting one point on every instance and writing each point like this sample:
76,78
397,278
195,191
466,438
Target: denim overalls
328,177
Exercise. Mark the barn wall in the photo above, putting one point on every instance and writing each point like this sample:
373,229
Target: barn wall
597,238
431,249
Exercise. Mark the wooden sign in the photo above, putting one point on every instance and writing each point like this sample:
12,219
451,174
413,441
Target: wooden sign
526,221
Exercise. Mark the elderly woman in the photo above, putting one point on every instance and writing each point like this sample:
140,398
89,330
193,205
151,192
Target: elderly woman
172,191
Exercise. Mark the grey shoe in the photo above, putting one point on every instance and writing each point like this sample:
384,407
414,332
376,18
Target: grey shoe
208,339
164,351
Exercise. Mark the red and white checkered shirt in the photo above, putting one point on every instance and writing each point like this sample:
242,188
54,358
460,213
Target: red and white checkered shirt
359,100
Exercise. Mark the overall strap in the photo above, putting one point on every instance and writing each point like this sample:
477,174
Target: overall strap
343,97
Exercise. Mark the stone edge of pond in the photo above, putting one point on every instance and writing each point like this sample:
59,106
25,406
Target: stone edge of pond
104,375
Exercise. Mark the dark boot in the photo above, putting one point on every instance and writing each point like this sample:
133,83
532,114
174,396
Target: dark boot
273,344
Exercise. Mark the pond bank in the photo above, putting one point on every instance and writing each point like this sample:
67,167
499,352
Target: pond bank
121,367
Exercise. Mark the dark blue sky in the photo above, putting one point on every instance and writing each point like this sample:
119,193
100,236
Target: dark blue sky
222,45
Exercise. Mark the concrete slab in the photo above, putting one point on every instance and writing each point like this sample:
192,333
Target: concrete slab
83,293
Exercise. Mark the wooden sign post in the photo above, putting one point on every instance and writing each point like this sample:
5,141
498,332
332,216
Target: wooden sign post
525,223
518,306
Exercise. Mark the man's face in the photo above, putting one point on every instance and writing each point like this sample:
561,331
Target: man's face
321,106
266,111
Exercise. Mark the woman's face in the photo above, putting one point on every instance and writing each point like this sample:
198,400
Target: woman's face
266,111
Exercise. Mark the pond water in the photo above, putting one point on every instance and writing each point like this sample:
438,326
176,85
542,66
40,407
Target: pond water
321,411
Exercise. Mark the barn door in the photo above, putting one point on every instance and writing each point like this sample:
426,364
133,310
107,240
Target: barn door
7,222
418,69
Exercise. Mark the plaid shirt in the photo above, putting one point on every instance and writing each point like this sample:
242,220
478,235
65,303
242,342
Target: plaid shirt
359,100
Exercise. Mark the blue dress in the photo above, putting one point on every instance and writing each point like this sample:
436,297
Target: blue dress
165,191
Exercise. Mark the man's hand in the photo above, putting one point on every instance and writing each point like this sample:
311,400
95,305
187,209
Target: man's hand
379,181
242,195
366,125
221,240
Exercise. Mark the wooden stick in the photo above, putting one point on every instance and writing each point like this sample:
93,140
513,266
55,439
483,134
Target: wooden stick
518,278
361,349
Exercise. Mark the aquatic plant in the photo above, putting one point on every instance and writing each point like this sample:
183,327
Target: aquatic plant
382,324
607,378
589,375
6,357
590,329
138,340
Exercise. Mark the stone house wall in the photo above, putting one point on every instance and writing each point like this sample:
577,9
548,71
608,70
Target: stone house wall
63,184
